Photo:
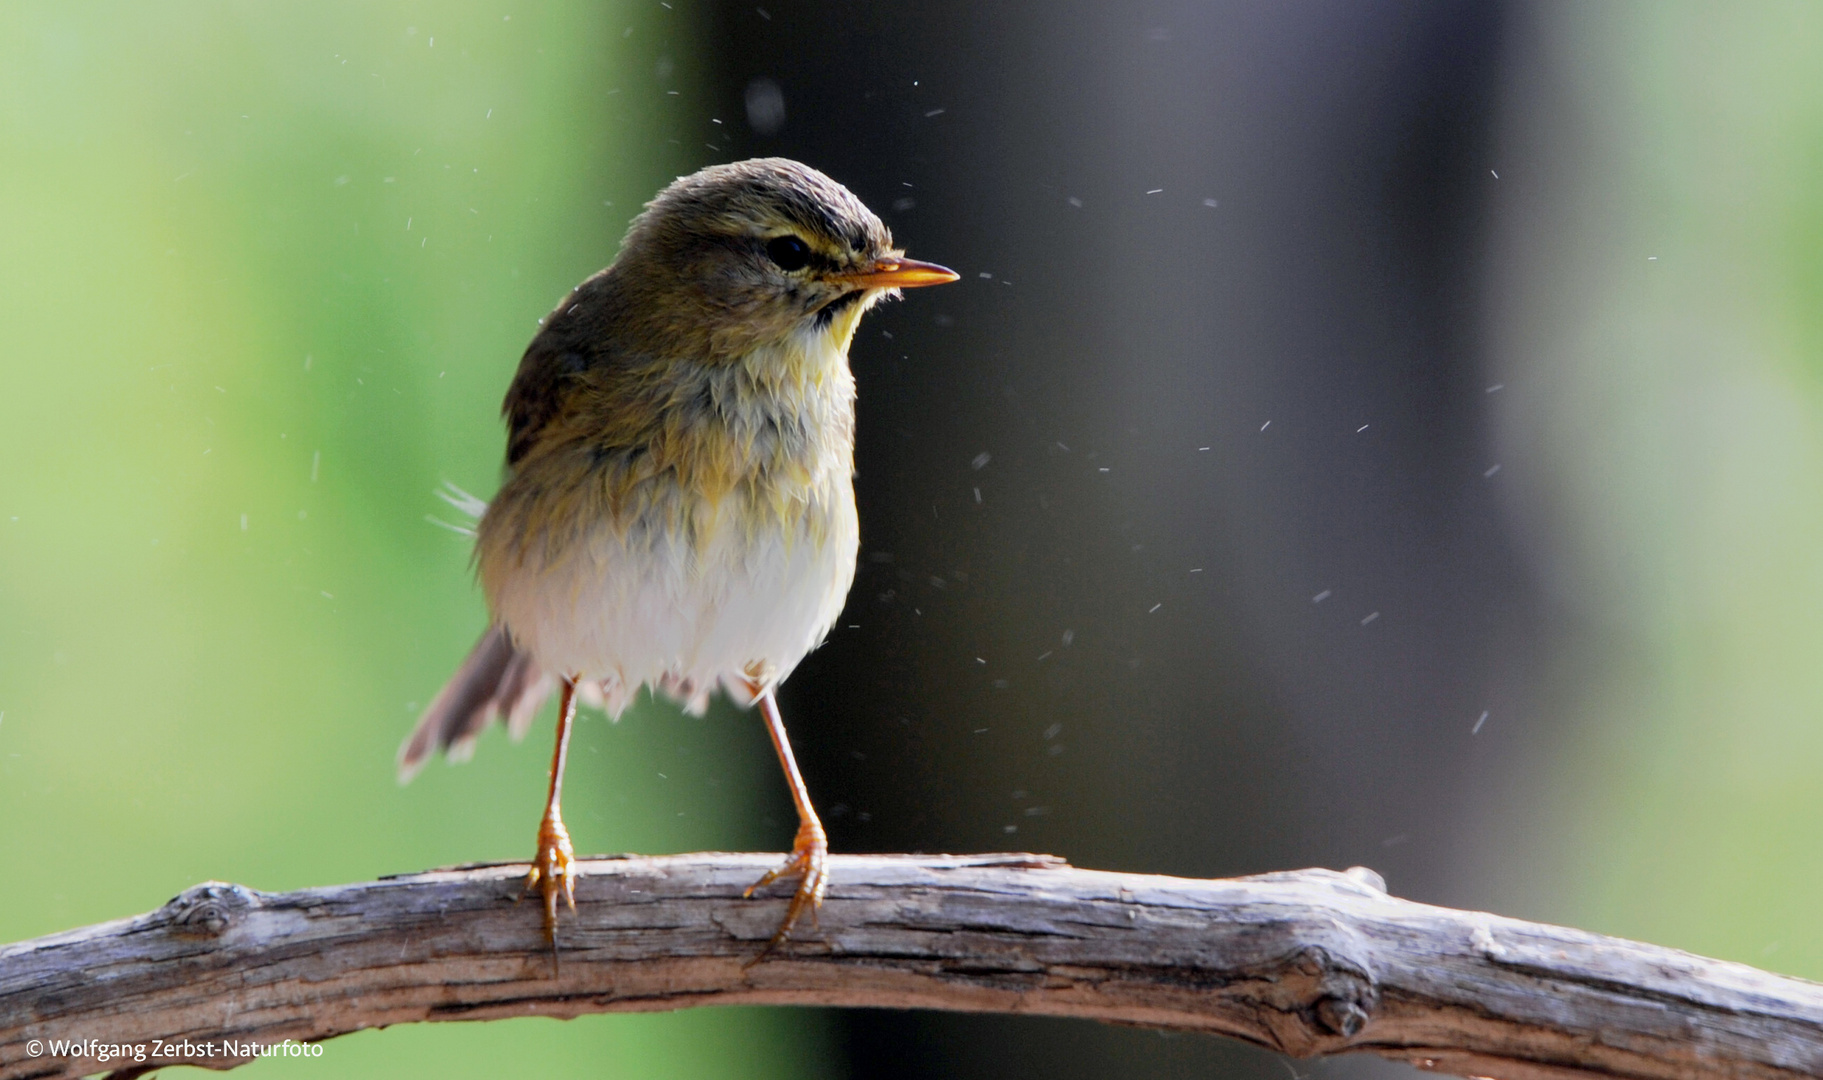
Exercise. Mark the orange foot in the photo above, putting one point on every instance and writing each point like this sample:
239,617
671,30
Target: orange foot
810,858
553,871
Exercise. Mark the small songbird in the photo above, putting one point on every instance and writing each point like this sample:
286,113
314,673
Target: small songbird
679,510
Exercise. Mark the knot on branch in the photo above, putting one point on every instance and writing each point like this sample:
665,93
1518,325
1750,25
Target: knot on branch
1342,1016
207,910
1346,993
1320,996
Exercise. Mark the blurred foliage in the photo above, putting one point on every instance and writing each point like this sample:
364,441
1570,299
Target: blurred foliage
269,269
1664,353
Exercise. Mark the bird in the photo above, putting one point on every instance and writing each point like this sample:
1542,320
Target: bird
677,510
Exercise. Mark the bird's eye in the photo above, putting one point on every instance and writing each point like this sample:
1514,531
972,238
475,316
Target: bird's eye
788,252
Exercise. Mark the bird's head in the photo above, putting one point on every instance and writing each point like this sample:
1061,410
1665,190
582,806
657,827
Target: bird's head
761,253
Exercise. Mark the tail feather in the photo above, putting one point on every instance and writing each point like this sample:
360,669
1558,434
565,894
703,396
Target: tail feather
495,680
522,689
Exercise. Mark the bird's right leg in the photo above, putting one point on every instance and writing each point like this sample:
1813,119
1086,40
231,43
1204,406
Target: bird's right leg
554,866
809,859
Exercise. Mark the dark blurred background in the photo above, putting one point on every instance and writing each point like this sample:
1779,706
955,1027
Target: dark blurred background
1364,433
1217,353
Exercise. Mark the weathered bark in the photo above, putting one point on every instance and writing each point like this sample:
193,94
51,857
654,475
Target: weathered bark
1311,962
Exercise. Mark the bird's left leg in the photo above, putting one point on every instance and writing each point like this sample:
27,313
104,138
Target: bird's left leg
810,851
554,866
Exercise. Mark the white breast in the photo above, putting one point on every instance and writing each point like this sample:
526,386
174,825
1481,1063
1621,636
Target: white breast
684,620
746,598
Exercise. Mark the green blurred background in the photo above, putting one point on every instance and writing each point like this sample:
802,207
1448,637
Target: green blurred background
1662,299
269,267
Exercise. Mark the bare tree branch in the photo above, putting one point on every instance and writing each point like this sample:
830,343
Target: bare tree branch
1311,962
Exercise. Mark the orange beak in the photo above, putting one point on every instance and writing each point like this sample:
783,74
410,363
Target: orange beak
894,272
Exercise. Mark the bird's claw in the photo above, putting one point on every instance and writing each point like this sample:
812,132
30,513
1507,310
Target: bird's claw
553,871
810,860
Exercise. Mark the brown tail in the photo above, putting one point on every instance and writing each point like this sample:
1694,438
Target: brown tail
495,680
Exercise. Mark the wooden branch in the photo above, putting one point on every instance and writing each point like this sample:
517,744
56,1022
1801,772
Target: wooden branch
1311,962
